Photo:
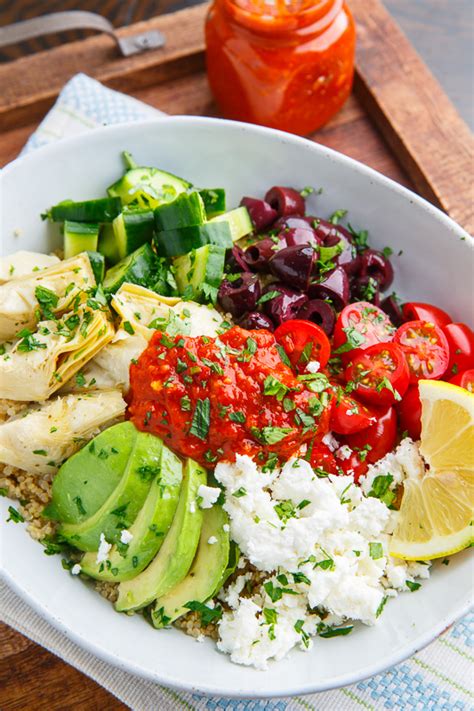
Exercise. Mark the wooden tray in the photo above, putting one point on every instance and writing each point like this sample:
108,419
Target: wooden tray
398,121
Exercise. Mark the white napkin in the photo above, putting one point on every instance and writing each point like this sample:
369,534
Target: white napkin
438,678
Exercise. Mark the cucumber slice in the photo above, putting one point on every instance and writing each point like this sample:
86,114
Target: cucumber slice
97,261
147,187
79,237
173,243
101,210
214,201
187,209
199,273
132,229
137,268
239,222
108,244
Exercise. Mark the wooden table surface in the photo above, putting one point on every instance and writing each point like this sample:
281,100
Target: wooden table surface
30,677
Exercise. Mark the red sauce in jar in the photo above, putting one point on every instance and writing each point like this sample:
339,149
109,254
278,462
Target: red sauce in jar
207,400
288,65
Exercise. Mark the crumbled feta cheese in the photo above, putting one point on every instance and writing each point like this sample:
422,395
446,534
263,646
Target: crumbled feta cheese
212,540
406,461
330,441
192,507
200,638
313,366
324,544
76,569
126,537
226,528
209,496
343,452
104,549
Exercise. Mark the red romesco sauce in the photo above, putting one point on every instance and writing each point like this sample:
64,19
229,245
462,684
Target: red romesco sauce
206,398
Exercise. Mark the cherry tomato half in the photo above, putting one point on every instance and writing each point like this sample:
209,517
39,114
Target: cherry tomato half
461,347
359,326
426,349
303,341
417,311
321,458
348,415
355,465
380,374
464,380
409,413
374,442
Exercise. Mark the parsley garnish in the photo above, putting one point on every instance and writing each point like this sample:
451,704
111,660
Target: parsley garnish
268,297
15,515
336,216
381,489
271,435
128,327
208,614
412,586
325,631
239,493
272,386
47,301
285,510
354,339
201,419
237,416
375,550
28,341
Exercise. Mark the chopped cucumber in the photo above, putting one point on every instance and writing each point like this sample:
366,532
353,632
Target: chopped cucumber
132,229
173,243
239,222
214,201
187,209
79,237
101,210
108,244
147,187
137,268
199,273
97,261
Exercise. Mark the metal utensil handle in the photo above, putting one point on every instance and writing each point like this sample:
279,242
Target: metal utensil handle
78,20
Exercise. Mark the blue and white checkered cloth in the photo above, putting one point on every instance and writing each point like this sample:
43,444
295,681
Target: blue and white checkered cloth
439,678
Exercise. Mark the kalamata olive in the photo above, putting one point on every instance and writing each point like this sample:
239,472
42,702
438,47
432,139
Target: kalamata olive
299,235
259,254
334,286
256,320
294,221
286,201
239,296
285,304
261,213
375,264
392,308
319,312
235,260
333,235
294,265
365,288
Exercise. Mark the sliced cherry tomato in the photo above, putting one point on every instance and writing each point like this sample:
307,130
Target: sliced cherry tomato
355,465
409,413
359,326
426,349
348,415
464,380
417,311
461,347
303,341
374,442
322,458
380,374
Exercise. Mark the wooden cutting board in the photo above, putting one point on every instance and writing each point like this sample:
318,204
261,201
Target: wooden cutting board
398,120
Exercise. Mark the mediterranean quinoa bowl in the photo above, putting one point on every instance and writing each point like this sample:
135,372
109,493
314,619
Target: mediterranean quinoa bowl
224,420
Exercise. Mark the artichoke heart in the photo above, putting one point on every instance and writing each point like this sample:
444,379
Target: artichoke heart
23,262
37,364
59,284
141,307
41,439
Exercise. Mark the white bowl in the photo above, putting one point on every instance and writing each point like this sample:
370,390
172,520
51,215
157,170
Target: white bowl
436,266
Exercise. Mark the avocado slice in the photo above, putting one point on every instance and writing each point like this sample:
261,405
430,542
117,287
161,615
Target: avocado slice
122,506
175,556
205,573
148,530
87,479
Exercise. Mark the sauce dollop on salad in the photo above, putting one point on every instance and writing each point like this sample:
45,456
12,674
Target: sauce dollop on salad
211,398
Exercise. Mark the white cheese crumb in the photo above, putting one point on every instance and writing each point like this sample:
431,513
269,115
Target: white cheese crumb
76,569
209,496
212,540
343,452
200,638
313,366
192,507
330,441
126,537
104,549
226,528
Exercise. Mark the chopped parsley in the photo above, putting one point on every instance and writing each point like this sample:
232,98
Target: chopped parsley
375,550
336,216
412,586
201,419
208,614
128,327
354,339
272,386
237,416
47,301
271,435
239,493
28,341
381,489
268,297
15,515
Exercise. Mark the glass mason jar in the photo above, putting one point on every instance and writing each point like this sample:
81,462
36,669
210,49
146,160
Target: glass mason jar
281,63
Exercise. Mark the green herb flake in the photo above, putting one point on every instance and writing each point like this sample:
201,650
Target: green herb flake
128,327
273,387
412,586
208,614
201,419
375,550
15,515
239,492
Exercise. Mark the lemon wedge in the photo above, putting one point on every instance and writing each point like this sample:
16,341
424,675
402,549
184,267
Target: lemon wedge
436,512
